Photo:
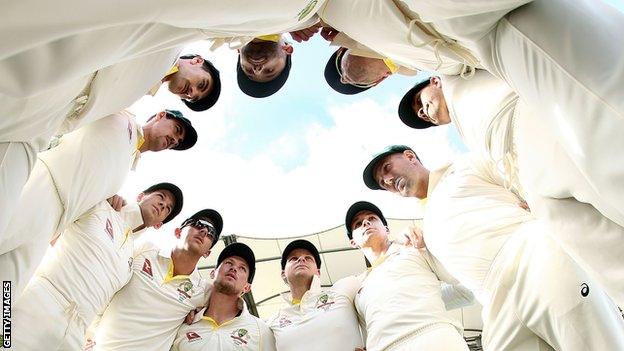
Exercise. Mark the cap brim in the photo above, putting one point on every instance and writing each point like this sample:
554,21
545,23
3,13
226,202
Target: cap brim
359,207
301,244
406,112
213,216
243,251
209,100
258,89
190,137
332,77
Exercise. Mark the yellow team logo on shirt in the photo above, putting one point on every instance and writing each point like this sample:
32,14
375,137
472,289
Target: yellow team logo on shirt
240,336
306,10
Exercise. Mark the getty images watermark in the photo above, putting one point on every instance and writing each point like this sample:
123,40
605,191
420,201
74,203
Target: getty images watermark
6,314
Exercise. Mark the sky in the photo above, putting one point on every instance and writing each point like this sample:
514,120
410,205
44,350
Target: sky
290,164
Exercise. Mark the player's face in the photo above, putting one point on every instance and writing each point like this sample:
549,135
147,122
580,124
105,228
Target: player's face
300,263
192,82
197,240
262,61
367,228
402,174
429,103
156,206
232,276
165,133
362,71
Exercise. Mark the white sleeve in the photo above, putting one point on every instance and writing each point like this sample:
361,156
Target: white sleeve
456,296
267,339
432,10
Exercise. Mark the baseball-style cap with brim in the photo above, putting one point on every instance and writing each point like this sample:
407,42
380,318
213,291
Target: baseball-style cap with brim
258,89
357,208
369,176
177,197
406,112
243,251
301,244
190,134
333,74
214,217
209,100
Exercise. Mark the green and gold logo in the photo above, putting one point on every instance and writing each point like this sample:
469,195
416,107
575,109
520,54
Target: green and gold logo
306,10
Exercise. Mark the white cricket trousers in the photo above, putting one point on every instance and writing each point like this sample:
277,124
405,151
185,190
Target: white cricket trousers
552,182
437,337
16,163
566,61
43,319
539,298
32,226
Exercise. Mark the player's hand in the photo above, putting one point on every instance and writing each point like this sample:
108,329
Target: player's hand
305,34
360,349
117,202
89,345
190,316
414,238
329,33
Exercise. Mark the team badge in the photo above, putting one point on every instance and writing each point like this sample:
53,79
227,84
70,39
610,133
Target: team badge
192,336
109,228
185,289
306,10
130,260
147,268
240,336
324,301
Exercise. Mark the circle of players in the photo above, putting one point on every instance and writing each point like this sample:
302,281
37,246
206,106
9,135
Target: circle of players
530,223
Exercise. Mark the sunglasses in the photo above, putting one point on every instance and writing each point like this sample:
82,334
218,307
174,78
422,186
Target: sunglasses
202,224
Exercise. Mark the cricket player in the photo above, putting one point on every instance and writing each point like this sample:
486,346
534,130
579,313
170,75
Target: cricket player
563,58
493,121
88,264
400,302
312,310
69,179
226,323
534,295
34,120
263,65
165,286
354,68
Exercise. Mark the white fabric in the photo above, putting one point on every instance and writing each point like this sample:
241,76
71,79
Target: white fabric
64,45
437,337
147,312
20,257
563,58
16,163
92,258
474,226
244,332
399,297
327,312
386,28
67,181
43,319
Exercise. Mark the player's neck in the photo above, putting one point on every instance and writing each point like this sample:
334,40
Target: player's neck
299,288
222,307
184,262
376,250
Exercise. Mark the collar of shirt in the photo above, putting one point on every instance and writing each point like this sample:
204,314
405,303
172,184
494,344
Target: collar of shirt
273,37
391,65
132,216
315,286
393,249
243,312
153,90
435,177
193,277
140,141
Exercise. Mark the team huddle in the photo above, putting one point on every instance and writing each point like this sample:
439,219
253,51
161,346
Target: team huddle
529,223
